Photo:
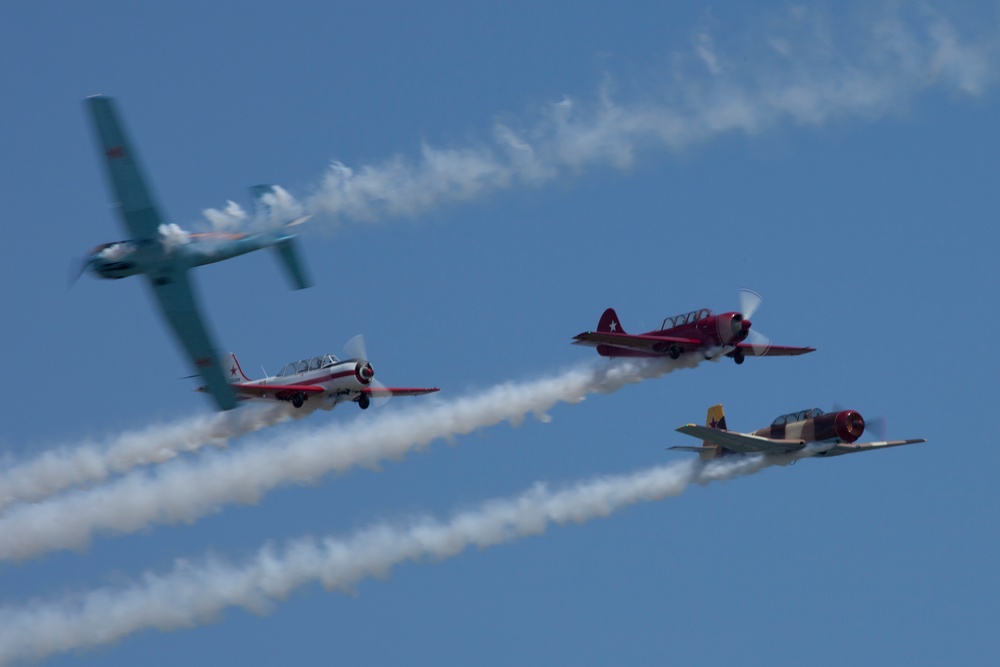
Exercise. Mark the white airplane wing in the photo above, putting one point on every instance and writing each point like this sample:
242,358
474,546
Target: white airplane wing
739,442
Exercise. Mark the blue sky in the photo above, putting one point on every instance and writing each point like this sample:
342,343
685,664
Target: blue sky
840,162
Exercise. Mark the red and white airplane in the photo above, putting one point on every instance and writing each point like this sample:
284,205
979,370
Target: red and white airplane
826,433
699,330
325,379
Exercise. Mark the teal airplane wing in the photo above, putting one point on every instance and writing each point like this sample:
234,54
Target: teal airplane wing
135,202
177,302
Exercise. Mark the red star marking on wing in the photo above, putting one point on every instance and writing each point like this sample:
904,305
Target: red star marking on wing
115,152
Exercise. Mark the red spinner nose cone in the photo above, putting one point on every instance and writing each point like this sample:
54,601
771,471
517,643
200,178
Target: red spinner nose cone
746,325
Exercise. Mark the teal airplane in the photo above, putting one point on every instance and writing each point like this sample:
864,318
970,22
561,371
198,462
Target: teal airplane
164,252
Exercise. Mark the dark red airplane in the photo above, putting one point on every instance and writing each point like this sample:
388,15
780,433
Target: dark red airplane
699,330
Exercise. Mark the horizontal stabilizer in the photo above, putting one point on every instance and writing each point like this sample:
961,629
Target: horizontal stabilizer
288,254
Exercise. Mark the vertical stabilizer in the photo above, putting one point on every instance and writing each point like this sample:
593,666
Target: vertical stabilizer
273,206
716,418
231,367
610,323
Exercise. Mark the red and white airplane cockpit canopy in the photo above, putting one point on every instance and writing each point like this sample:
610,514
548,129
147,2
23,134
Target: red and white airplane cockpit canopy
799,416
306,365
686,318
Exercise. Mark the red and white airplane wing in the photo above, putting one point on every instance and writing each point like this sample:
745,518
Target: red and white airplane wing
773,350
739,442
641,343
276,391
380,392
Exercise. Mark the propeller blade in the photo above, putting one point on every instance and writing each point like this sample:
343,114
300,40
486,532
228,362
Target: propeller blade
378,399
298,221
356,348
749,302
759,342
876,428
75,271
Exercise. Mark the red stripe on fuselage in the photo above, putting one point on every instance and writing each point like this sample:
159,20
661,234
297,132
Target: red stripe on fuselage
319,380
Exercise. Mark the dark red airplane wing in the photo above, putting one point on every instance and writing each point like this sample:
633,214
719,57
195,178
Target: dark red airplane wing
379,392
642,343
773,350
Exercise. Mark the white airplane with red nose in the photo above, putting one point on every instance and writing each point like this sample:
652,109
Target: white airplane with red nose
325,380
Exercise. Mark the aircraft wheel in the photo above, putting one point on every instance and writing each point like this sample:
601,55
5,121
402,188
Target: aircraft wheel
674,352
297,400
364,401
739,358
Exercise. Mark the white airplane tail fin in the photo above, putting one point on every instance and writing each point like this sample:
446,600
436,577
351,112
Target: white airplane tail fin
231,367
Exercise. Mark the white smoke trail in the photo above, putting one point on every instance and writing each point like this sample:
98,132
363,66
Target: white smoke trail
185,491
194,593
63,467
803,75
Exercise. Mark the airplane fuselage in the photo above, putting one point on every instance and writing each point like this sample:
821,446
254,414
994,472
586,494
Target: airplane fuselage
826,434
343,381
182,251
803,433
843,426
324,379
699,329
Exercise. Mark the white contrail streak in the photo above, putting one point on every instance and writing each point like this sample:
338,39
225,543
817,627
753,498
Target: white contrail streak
84,464
795,72
194,592
186,490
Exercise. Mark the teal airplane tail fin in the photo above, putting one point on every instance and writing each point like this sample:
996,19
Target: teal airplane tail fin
274,206
287,251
